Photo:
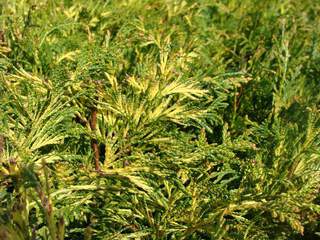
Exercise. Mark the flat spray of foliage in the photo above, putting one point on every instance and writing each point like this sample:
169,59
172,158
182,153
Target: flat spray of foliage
159,119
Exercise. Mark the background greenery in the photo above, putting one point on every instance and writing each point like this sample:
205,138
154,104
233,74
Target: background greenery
159,119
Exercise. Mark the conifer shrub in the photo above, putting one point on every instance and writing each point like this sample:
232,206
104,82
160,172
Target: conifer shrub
159,119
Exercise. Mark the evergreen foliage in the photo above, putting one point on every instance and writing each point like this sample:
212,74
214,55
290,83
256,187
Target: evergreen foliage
159,119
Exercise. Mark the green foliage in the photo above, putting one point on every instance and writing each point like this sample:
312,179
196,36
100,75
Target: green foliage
158,119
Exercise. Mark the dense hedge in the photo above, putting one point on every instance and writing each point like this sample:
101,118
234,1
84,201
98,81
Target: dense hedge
159,119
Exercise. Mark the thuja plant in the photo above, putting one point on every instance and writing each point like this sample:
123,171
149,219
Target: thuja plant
154,119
